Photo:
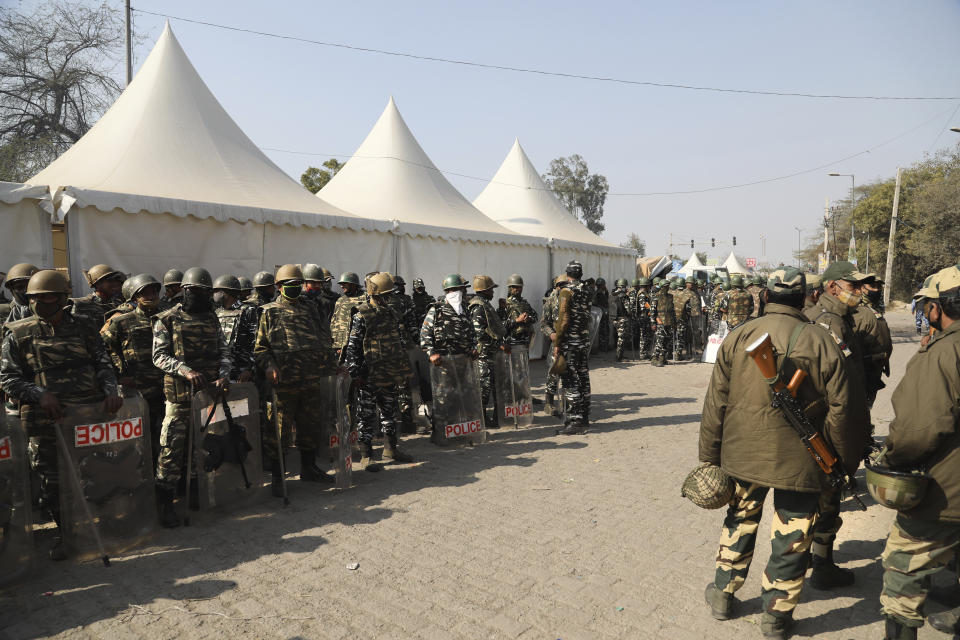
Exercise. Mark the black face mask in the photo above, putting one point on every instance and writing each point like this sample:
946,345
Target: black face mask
48,309
401,289
20,298
196,300
291,292
874,296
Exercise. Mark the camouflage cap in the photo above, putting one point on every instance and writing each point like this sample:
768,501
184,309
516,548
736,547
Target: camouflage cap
843,270
814,281
787,280
483,283
939,283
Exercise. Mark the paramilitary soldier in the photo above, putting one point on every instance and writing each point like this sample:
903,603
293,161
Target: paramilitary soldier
190,349
264,289
128,338
834,312
622,321
737,304
447,329
519,317
17,279
571,339
238,321
754,289
294,354
602,299
683,338
696,313
106,283
421,300
756,446
402,307
632,298
924,435
344,309
54,357
489,332
871,327
663,315
172,291
246,287
314,283
643,313
376,357
546,328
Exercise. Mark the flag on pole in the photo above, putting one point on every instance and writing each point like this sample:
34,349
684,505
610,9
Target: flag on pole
852,252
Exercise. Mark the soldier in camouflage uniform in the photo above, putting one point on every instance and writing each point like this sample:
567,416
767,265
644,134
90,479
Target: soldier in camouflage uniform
376,357
246,287
754,289
602,299
622,321
546,328
663,316
106,284
644,315
448,329
571,339
713,305
172,290
402,306
519,318
264,290
737,304
696,314
870,325
128,338
238,321
683,339
344,309
421,300
126,305
489,332
314,282
17,279
293,351
634,323
55,356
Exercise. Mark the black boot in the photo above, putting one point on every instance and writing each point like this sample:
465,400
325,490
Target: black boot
721,603
896,631
276,479
309,471
827,575
947,596
946,621
168,515
58,551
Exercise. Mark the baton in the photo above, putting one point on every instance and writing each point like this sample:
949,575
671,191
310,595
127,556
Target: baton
276,426
513,391
75,480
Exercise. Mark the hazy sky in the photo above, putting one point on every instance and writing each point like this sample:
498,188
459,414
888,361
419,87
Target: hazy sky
310,98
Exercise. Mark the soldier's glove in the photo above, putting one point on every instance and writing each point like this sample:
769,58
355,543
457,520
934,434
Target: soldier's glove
196,379
51,406
222,385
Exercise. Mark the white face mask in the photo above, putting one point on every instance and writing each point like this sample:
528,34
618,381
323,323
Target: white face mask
455,299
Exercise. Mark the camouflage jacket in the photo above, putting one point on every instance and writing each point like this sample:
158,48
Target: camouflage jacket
662,310
696,302
446,332
375,350
68,360
573,316
128,338
718,303
292,339
402,306
421,302
681,305
621,303
18,312
323,304
123,307
239,326
754,291
185,342
738,305
514,307
602,299
644,308
340,322
632,302
95,307
487,327
716,298
549,313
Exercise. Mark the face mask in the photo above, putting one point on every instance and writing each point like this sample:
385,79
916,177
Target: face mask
46,309
874,297
218,298
148,306
21,298
455,299
291,292
848,298
196,300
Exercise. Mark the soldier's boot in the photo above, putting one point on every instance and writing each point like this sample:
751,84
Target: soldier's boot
946,621
894,630
392,452
572,429
947,596
619,354
168,515
492,418
309,471
721,603
827,575
407,424
367,462
548,404
58,551
276,479
772,626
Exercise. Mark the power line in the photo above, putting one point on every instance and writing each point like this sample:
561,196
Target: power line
639,194
542,72
944,128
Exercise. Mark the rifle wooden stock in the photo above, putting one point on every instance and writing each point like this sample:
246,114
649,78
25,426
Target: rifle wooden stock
822,453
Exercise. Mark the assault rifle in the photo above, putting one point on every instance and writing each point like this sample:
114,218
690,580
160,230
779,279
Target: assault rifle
785,399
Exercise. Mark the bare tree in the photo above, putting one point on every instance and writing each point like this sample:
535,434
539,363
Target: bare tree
57,69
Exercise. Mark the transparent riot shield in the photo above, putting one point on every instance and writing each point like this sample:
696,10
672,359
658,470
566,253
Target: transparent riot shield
16,539
419,380
713,344
457,405
226,447
343,438
596,314
512,376
107,501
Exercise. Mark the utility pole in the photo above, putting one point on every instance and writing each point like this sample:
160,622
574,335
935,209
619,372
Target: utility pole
826,231
128,38
867,268
893,231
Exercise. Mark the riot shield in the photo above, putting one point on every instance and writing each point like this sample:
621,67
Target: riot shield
344,437
512,376
596,314
713,344
419,384
457,405
226,446
107,501
16,539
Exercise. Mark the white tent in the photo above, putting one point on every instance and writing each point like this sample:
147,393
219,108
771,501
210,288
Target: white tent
25,225
693,264
733,265
517,198
167,178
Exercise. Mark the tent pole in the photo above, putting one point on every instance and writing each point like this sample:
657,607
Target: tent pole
128,38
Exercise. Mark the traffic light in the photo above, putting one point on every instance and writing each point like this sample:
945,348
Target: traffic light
691,244
734,240
713,242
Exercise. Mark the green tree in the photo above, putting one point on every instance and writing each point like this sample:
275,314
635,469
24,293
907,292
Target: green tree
315,179
702,256
582,193
634,242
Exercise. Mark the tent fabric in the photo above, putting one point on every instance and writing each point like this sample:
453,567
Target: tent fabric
517,198
167,144
390,177
733,265
25,234
652,266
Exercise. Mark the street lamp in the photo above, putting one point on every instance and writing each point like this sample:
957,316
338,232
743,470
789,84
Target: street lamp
955,129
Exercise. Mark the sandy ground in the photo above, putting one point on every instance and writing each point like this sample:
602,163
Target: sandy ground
531,535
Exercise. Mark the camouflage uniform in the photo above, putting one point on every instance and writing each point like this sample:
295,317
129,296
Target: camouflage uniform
682,313
446,332
402,307
292,339
489,333
518,334
95,307
738,305
623,322
716,315
323,304
644,313
69,361
602,300
421,302
18,312
573,339
696,319
754,291
256,299
634,321
128,338
546,328
340,322
663,314
239,326
184,342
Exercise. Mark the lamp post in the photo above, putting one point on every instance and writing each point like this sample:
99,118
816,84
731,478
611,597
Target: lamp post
955,129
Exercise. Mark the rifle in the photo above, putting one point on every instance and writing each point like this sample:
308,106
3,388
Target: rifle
785,399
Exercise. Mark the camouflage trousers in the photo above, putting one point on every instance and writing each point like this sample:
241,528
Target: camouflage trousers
604,332
645,338
302,418
916,549
829,524
42,452
405,405
624,327
681,342
172,458
790,536
662,343
576,386
713,326
369,399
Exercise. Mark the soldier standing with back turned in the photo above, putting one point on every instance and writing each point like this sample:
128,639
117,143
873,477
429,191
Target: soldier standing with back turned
571,339
489,333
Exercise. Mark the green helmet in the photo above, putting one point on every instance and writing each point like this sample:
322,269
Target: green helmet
138,283
643,282
454,281
197,277
228,282
312,273
726,286
676,284
899,490
736,282
349,277
173,276
621,282
263,279
601,282
758,279
245,284
708,486
691,280
125,289
635,282
657,280
48,281
515,280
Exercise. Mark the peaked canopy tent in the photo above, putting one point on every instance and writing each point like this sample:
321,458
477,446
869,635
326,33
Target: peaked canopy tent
734,266
390,177
517,198
693,264
25,225
166,178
